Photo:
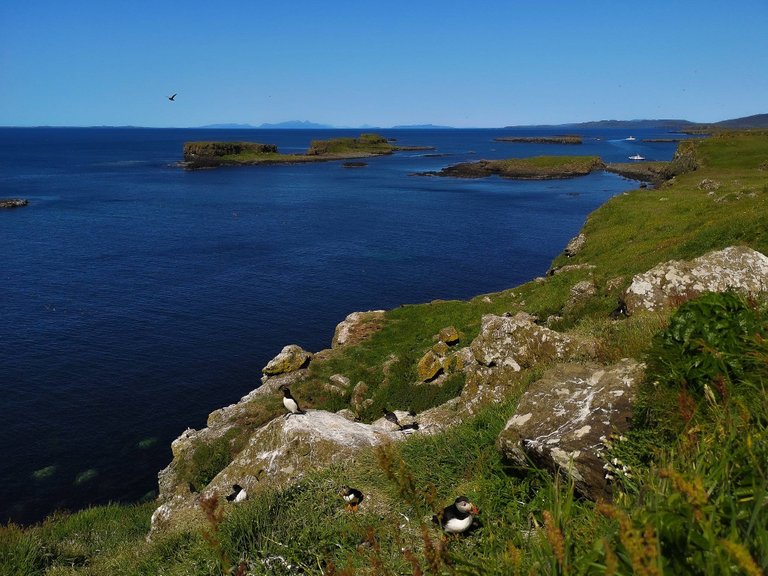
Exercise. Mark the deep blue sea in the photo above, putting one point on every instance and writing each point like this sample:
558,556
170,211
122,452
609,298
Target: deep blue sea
137,297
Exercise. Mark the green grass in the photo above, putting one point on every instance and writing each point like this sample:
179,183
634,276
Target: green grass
694,502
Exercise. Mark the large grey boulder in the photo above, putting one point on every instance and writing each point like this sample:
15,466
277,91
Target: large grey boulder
518,342
671,283
356,327
277,454
563,420
290,359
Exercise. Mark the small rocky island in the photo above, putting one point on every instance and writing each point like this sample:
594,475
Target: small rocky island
214,154
569,139
13,202
536,168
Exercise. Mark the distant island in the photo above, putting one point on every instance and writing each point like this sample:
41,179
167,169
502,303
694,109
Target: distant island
571,139
199,155
536,168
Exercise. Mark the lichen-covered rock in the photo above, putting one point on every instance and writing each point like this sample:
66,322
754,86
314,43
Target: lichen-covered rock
575,245
563,420
277,454
580,293
429,366
518,342
449,335
671,283
360,400
290,359
356,327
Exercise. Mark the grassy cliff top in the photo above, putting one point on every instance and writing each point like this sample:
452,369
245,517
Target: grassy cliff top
695,506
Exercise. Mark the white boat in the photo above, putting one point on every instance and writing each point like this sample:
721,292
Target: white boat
630,139
637,157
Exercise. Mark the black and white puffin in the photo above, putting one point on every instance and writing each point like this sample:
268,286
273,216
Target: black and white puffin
392,417
352,497
290,402
457,518
238,494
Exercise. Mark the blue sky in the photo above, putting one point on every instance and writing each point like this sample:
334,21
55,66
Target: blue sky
349,63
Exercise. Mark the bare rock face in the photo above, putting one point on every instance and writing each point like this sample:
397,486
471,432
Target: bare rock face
290,359
277,454
671,283
563,420
575,245
518,342
357,327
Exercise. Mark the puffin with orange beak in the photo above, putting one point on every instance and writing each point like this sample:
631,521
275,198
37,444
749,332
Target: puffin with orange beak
457,518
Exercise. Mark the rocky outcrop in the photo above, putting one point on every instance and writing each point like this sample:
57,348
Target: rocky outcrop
564,420
290,359
674,282
13,202
441,358
575,245
356,327
518,342
277,454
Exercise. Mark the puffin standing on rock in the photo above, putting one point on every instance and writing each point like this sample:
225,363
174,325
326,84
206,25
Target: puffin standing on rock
238,494
290,402
457,518
392,417
352,497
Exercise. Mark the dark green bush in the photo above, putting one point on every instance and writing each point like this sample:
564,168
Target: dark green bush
711,340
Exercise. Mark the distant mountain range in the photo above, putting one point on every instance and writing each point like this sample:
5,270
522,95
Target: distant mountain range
755,121
306,125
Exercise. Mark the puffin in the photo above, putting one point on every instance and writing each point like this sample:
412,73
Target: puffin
290,402
352,497
392,417
457,518
238,494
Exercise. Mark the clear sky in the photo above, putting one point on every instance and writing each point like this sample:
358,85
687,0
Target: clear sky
348,63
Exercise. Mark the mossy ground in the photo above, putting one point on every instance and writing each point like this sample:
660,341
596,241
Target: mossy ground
697,503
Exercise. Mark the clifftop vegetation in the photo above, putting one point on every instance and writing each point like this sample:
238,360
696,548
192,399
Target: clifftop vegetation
691,493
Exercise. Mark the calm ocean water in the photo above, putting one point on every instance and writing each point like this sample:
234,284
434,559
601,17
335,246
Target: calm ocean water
138,297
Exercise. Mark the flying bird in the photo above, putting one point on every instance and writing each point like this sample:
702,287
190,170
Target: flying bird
352,497
172,98
290,402
457,518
